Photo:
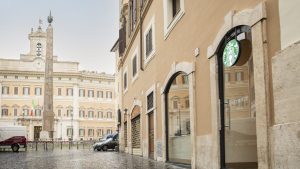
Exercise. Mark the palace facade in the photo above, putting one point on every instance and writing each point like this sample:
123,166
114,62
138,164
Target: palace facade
83,101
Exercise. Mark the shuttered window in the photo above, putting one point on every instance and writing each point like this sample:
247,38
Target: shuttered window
5,90
134,66
26,91
175,7
16,91
81,93
150,101
38,91
149,43
125,80
69,92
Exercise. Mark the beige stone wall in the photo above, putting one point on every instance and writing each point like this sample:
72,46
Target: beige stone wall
289,22
286,130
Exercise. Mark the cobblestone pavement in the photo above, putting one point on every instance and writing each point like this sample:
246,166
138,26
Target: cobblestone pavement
77,159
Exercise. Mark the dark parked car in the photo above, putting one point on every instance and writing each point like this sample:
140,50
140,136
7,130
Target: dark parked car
106,137
109,143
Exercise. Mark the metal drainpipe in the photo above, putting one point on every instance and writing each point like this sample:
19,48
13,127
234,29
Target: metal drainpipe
141,39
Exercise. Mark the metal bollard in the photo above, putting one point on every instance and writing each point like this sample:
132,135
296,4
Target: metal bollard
46,146
83,145
36,148
61,145
69,145
77,145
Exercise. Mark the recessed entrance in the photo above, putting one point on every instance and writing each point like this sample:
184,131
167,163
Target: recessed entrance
136,130
178,129
237,101
37,130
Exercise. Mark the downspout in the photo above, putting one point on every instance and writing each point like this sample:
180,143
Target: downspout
141,39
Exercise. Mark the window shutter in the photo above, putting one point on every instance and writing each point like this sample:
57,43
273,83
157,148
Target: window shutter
122,41
147,44
150,40
134,13
150,101
119,116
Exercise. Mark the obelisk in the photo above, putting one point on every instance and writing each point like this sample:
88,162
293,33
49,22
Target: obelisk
48,115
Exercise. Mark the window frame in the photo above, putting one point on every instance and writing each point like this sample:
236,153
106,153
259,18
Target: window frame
68,93
81,92
7,90
24,93
135,55
16,91
169,24
59,91
4,112
148,92
38,89
127,78
92,93
148,58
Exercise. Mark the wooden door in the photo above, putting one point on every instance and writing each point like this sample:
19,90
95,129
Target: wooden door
151,135
37,130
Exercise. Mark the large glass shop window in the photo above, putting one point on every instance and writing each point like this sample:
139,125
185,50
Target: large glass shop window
239,103
179,140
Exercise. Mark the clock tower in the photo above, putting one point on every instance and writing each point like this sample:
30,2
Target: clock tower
38,42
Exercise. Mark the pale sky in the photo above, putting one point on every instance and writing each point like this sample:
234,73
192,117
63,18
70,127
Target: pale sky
84,30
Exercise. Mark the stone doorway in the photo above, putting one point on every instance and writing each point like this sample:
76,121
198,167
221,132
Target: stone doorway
238,140
37,130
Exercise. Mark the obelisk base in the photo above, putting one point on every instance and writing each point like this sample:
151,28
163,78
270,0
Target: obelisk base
44,135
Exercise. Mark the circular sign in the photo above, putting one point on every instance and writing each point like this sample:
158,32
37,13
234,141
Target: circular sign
231,53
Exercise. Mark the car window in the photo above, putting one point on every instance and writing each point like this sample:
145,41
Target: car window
116,137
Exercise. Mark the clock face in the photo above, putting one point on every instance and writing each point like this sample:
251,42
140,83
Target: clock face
231,53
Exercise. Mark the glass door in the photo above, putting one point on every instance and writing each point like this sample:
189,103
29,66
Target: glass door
238,133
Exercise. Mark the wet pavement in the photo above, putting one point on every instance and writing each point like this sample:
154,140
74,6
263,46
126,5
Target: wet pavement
77,159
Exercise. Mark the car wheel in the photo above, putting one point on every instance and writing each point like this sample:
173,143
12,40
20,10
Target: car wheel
104,148
98,149
15,147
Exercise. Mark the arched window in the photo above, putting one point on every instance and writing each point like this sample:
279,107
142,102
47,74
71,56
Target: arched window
178,120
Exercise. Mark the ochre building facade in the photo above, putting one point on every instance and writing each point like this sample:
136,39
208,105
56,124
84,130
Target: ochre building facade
210,84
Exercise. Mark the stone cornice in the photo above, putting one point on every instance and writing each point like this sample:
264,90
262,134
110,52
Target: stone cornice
61,74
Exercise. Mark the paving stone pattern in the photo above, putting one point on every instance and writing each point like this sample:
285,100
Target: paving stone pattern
77,159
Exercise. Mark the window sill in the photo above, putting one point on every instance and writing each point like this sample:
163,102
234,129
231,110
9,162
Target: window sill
168,29
134,78
149,58
125,91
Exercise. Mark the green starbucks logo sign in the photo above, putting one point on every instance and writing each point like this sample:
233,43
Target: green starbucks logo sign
231,53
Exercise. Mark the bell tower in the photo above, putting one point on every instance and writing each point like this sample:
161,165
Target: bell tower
38,42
